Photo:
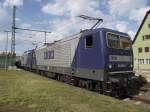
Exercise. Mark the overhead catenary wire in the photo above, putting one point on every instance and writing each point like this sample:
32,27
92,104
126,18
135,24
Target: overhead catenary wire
21,40
35,30
99,20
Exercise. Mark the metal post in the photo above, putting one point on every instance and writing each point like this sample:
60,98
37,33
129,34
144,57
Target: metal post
6,50
45,37
13,36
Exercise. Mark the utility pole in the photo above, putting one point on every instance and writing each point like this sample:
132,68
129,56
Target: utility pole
6,49
13,36
45,38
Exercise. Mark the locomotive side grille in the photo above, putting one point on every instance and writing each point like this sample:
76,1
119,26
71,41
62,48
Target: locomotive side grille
115,58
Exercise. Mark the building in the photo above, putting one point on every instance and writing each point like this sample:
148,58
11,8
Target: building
141,45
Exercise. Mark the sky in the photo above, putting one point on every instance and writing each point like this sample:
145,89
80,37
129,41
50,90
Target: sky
60,18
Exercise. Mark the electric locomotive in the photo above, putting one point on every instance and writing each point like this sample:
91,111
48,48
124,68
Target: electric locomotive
98,59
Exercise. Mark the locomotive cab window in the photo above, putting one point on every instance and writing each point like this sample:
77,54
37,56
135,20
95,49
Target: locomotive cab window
125,43
113,41
116,41
89,41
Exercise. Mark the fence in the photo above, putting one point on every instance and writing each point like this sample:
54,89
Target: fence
5,62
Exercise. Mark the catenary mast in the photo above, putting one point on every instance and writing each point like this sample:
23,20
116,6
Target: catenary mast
13,35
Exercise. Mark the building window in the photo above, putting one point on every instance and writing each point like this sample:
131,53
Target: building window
89,41
143,61
149,25
140,61
146,37
143,37
147,61
140,50
146,49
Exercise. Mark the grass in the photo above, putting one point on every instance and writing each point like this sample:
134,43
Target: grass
22,91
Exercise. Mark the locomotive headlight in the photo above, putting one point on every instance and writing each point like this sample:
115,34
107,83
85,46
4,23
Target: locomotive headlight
131,65
110,66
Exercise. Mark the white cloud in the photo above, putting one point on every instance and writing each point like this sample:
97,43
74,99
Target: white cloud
55,8
13,2
25,25
4,23
54,36
2,38
138,14
3,13
70,10
121,26
131,34
65,27
134,10
123,7
18,19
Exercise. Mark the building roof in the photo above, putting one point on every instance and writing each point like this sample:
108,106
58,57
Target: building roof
148,12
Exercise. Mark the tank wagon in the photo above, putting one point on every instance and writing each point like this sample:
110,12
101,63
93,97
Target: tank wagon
99,59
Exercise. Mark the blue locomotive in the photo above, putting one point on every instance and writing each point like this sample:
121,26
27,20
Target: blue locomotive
98,59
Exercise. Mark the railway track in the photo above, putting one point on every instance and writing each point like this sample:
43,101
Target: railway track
138,98
144,95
